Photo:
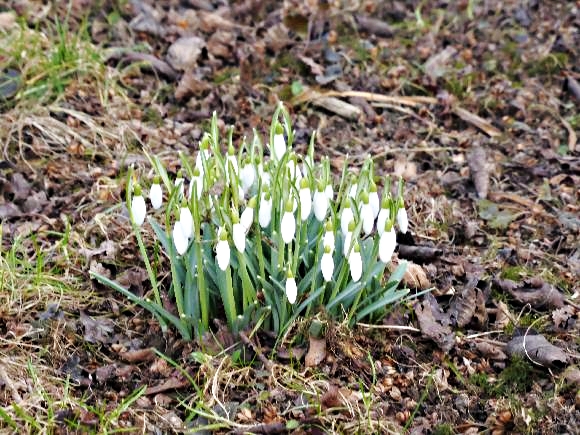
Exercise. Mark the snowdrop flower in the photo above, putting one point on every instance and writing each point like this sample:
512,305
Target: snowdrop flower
374,199
180,239
180,183
295,173
384,215
320,203
222,250
196,181
305,199
238,233
156,194
138,207
288,223
353,190
291,289
387,243
366,214
203,154
346,216
186,221
327,264
329,191
348,238
328,238
278,148
247,217
247,175
355,263
264,173
402,219
265,210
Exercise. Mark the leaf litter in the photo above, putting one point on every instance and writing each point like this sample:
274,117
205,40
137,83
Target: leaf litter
367,94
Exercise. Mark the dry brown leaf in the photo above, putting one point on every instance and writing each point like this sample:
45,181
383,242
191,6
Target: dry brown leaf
533,291
415,277
503,315
563,318
316,352
96,330
479,168
434,324
537,349
491,350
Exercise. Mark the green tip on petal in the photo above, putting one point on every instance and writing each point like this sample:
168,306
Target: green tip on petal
388,225
157,179
196,172
180,173
289,206
372,187
289,274
223,235
304,183
327,249
364,197
235,217
231,150
204,144
356,247
252,202
321,186
329,226
351,226
385,203
278,128
137,190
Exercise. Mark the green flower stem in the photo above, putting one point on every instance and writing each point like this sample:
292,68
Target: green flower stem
248,291
201,284
228,299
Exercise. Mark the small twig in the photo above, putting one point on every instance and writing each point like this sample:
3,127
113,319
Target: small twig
482,334
8,382
267,363
393,327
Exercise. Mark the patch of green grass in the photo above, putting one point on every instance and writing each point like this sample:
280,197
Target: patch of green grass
443,429
515,273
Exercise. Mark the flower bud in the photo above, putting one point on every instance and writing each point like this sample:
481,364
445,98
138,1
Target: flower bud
138,207
156,194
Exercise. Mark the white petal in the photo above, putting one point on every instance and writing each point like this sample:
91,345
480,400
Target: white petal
327,266
368,220
402,220
198,182
329,191
239,236
279,148
347,242
387,244
179,238
345,218
320,204
247,218
222,254
328,240
156,196
186,221
355,263
180,183
382,220
291,290
138,209
375,203
288,227
353,190
265,212
305,203
247,176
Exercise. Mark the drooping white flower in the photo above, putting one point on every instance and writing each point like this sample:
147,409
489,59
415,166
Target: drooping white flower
138,207
387,244
328,238
265,210
355,263
180,240
156,194
295,173
247,175
278,148
353,190
239,236
203,154
180,184
305,199
247,217
291,289
186,220
346,216
264,173
374,199
329,191
327,264
288,224
348,238
366,214
320,203
222,250
402,220
384,215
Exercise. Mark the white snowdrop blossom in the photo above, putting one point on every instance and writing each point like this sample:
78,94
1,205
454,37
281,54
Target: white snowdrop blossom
180,184
222,251
288,224
186,220
291,288
348,238
374,199
328,238
247,217
305,199
239,236
247,176
353,190
138,207
387,244
329,191
180,239
327,264
203,154
384,215
366,214
295,173
320,203
402,220
346,216
355,263
156,194
197,181
278,148
265,210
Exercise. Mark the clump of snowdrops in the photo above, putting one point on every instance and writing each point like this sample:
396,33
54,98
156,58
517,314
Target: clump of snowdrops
263,235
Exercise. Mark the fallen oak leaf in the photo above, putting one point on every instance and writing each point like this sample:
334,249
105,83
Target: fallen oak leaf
533,291
434,324
537,349
316,351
